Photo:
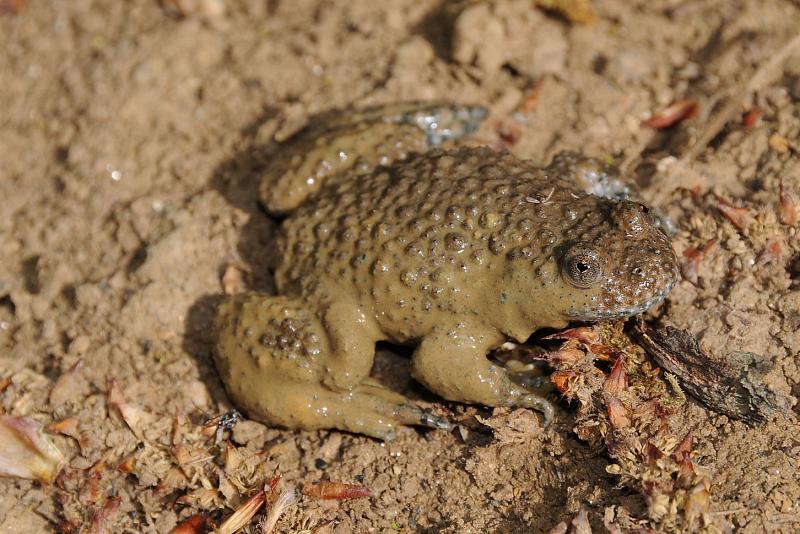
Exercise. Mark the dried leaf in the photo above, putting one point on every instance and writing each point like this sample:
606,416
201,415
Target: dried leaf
196,524
233,280
605,353
686,475
696,503
685,447
617,413
336,490
127,465
186,456
173,479
751,117
25,452
563,380
652,454
103,515
134,416
273,482
773,251
692,258
617,380
584,334
740,217
232,458
566,354
787,209
284,501
90,491
672,114
243,514
67,427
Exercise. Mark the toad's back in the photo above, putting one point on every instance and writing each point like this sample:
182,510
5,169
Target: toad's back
419,234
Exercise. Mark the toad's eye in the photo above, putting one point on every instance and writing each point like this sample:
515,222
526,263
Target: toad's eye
582,269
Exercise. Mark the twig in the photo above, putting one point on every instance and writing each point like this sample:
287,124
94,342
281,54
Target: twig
735,386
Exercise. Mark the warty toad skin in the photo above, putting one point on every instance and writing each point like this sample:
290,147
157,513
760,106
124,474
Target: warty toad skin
451,251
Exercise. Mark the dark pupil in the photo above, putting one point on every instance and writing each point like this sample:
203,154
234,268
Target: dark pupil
582,267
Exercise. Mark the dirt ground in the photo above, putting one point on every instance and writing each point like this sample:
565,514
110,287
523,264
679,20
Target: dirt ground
131,138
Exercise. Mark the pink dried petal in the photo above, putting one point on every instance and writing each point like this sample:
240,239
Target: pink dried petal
584,334
25,451
134,416
617,380
740,217
243,514
772,251
672,114
284,501
617,413
693,257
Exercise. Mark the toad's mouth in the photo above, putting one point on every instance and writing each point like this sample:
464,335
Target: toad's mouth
598,314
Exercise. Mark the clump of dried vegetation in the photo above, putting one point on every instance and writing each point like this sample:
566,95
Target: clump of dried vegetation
631,408
186,464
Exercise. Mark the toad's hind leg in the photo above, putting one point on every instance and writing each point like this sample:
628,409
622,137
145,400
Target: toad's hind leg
280,365
343,142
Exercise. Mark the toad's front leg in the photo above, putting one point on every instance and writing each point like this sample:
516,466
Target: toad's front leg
452,362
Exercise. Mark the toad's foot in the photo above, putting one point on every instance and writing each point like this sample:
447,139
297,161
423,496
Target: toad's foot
452,362
367,409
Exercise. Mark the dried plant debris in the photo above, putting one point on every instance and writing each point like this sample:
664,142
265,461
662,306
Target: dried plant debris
673,114
195,524
577,524
766,73
737,387
243,514
632,411
25,451
335,491
286,499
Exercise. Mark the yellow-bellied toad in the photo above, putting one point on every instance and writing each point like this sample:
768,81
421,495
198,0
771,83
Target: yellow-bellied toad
453,251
